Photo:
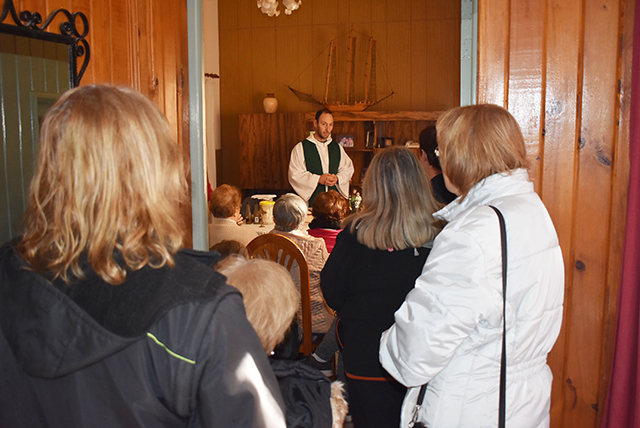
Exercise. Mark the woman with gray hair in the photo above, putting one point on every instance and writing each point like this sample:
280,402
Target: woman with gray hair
289,214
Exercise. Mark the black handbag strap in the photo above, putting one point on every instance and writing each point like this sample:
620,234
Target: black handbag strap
503,360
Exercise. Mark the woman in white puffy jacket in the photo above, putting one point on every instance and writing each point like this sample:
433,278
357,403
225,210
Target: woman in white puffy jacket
448,332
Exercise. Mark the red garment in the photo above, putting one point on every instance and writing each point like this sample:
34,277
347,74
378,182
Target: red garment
329,236
623,401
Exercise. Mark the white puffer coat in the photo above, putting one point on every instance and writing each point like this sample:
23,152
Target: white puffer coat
448,332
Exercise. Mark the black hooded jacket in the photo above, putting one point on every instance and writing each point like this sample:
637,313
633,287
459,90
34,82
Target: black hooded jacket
170,347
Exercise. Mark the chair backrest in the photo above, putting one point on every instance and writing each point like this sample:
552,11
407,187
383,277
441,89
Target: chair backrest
284,251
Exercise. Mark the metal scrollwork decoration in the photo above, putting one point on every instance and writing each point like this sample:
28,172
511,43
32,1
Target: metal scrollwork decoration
69,33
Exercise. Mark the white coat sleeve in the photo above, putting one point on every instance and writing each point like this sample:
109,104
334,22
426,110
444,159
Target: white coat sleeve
345,172
303,182
451,297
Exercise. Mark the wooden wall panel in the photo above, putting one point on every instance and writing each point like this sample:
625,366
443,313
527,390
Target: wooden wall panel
493,51
419,64
378,11
399,57
263,52
288,48
596,141
359,10
245,74
263,164
442,59
325,12
525,72
228,16
562,82
146,44
229,84
398,12
418,57
560,79
120,45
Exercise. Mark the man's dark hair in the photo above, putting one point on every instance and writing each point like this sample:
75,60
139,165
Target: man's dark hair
321,112
429,143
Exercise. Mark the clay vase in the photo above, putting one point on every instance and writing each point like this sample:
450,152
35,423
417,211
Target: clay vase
270,104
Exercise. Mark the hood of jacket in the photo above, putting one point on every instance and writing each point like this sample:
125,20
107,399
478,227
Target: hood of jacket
488,190
54,329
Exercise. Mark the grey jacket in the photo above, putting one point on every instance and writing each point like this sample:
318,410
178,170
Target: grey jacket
170,347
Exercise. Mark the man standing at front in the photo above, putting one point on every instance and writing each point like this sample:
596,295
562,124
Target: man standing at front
318,163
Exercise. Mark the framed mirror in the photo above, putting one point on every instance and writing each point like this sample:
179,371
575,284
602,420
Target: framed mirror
36,67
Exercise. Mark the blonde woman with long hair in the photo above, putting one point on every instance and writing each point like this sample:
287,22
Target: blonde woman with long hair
104,319
374,264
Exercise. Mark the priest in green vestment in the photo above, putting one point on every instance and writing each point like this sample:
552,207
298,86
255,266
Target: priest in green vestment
318,163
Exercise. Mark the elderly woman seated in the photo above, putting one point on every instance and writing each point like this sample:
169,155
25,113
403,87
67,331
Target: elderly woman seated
329,209
289,214
224,205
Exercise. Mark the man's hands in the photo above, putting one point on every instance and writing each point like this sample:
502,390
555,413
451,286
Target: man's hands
328,180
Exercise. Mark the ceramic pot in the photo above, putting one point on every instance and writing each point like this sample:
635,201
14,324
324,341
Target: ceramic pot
270,103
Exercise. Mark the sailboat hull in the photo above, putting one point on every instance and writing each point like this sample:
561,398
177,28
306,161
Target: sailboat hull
370,96
347,107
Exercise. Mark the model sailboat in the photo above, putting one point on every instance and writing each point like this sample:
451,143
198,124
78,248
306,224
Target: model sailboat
330,99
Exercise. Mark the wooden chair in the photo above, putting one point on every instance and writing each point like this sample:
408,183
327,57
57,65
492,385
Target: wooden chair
284,251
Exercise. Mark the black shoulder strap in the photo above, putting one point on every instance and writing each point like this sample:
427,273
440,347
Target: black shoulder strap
503,363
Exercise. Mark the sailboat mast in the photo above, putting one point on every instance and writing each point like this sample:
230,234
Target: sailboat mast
351,64
331,73
370,89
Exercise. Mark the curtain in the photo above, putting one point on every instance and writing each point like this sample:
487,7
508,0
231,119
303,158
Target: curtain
622,408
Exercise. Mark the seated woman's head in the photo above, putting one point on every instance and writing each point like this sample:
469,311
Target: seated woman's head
478,141
230,247
270,296
289,212
225,201
109,179
330,207
398,203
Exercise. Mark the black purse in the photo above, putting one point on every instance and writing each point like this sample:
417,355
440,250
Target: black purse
503,362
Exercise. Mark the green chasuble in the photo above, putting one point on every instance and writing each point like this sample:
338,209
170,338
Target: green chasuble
314,165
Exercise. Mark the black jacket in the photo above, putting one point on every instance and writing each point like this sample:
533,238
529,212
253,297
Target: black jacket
306,392
170,347
366,287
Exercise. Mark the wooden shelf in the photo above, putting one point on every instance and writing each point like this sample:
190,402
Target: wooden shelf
266,140
387,116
